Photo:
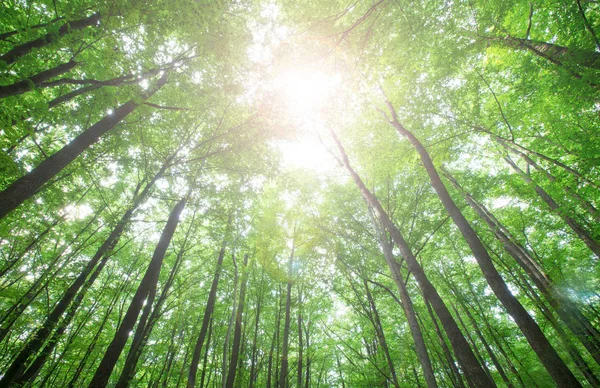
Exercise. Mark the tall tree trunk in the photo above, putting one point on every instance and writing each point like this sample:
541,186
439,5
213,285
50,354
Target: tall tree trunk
286,327
237,334
407,306
18,51
210,306
26,186
466,358
300,344
566,309
35,80
205,360
81,284
308,355
148,319
274,341
555,366
380,334
254,355
148,283
575,227
230,325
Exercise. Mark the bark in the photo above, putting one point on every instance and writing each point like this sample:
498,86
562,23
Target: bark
8,34
274,341
575,227
18,51
13,261
566,309
300,344
210,306
380,334
286,327
35,80
148,283
555,366
466,358
146,323
205,361
224,363
80,285
26,186
407,306
237,334
253,358
308,356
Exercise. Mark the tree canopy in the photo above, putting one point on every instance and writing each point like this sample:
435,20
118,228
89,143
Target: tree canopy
327,193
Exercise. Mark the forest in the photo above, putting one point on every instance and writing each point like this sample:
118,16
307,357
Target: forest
318,193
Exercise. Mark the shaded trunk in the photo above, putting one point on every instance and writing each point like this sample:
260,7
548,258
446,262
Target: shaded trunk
286,327
80,285
35,80
148,283
18,51
237,334
26,186
380,334
575,227
224,361
466,358
253,357
555,366
205,361
300,344
407,306
210,306
566,309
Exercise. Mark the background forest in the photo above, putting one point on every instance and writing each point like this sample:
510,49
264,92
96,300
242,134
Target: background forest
333,193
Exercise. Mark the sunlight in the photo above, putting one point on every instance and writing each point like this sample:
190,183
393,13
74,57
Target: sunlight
306,152
306,91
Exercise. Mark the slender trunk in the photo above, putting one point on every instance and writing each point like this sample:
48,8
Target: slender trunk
568,311
18,51
575,227
308,356
274,341
210,305
13,261
407,306
555,366
26,186
286,327
380,334
300,344
224,361
253,357
8,34
237,334
148,319
81,284
148,283
466,358
35,80
205,360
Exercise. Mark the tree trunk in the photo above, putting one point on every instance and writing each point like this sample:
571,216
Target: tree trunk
18,51
407,306
35,80
380,334
81,284
237,334
26,186
568,311
286,327
148,283
575,227
210,305
230,325
555,366
205,361
300,344
253,357
466,358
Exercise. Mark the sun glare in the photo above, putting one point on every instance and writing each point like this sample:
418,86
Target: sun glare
306,91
